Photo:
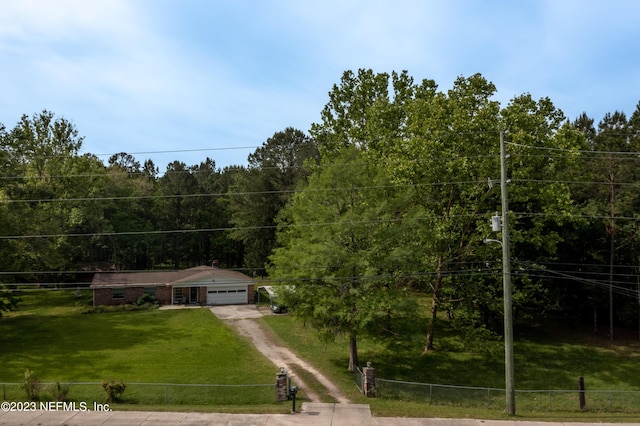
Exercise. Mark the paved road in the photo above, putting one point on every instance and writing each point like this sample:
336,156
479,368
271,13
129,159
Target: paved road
312,414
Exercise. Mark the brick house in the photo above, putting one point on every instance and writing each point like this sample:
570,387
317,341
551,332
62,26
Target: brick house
202,285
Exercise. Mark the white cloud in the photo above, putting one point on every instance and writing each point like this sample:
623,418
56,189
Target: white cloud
42,20
165,75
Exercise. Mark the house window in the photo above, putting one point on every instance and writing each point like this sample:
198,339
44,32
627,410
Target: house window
117,293
179,293
151,291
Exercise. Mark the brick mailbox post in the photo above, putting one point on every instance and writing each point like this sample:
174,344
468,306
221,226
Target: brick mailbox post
369,381
282,385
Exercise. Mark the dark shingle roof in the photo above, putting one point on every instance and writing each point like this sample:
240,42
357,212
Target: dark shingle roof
199,274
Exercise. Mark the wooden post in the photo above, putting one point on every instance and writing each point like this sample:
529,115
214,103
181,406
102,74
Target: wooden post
510,386
583,402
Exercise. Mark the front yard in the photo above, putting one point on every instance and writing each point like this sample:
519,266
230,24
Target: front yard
48,336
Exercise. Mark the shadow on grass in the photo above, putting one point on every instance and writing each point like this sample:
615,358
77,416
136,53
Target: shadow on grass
548,360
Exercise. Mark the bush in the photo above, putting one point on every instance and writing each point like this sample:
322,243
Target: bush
114,390
31,385
113,308
60,392
147,300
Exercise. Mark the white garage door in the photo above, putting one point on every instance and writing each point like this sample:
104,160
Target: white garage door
226,296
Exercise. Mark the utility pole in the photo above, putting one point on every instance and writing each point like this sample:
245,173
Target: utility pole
506,282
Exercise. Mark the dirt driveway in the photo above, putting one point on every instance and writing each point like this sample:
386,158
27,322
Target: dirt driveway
245,319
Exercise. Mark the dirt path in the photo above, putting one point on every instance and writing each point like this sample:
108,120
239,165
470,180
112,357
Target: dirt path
282,356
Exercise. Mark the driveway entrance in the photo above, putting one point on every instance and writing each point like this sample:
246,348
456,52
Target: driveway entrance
242,318
235,312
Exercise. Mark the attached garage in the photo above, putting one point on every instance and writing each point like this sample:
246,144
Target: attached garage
202,285
227,295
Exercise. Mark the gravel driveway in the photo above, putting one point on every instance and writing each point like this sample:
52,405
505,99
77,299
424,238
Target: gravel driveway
245,319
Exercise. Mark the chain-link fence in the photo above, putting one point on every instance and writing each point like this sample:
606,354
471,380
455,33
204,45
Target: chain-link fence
494,398
440,394
150,393
358,378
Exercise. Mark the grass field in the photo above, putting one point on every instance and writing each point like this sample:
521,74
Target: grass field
189,346
48,336
546,358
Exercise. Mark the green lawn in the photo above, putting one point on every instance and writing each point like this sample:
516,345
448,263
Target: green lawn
546,358
189,346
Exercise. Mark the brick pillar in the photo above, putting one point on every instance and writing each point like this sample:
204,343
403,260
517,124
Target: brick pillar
282,385
369,382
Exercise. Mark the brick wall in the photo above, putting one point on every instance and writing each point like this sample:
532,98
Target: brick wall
101,296
104,296
251,293
131,294
202,296
163,294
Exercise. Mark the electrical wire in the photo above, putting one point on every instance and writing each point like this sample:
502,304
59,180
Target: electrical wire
545,148
241,193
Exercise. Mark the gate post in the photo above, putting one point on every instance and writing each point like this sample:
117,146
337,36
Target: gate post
369,381
282,385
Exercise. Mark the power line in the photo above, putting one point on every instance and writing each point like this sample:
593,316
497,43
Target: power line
224,229
577,151
241,193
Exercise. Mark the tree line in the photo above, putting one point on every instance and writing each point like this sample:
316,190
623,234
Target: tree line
391,192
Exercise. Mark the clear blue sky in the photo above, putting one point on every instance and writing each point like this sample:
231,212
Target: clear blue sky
159,75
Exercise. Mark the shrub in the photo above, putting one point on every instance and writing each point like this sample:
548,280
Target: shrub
147,300
31,385
60,392
114,390
100,309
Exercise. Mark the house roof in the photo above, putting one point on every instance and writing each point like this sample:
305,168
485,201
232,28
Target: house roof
200,275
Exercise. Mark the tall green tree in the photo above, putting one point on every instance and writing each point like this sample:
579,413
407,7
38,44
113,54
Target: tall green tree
446,156
445,145
211,216
340,249
7,299
42,142
129,210
43,151
612,172
177,208
363,109
256,196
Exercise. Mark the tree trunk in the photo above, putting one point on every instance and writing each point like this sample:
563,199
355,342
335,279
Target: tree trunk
176,252
611,259
612,231
434,306
353,353
639,304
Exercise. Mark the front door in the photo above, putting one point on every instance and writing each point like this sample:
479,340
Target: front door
193,295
